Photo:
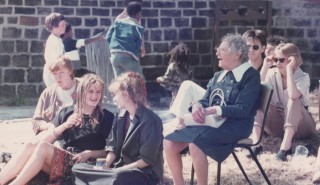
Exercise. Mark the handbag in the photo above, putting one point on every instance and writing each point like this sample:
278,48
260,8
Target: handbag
211,120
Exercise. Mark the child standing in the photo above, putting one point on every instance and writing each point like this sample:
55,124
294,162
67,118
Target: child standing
125,39
56,25
177,71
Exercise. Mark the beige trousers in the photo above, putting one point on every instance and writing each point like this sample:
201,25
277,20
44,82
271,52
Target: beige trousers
294,115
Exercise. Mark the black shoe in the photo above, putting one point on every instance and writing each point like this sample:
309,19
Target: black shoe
282,154
256,151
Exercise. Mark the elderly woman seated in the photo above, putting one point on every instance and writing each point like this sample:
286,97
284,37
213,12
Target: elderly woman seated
239,86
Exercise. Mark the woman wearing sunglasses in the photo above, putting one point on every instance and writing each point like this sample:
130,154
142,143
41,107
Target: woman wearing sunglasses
256,41
288,115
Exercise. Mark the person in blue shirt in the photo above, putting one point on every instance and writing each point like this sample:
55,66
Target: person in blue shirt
125,39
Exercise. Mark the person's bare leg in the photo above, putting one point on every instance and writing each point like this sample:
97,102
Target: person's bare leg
15,165
200,164
287,139
173,158
40,159
256,132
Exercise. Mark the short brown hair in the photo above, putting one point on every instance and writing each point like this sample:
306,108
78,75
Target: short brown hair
133,83
62,62
53,20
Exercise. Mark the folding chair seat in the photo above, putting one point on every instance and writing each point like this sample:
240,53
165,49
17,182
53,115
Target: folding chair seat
247,143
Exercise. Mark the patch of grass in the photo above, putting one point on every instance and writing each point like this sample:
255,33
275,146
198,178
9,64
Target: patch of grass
16,101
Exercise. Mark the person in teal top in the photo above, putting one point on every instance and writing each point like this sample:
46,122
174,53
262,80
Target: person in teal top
125,40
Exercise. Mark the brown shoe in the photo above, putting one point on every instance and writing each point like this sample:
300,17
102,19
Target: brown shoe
316,178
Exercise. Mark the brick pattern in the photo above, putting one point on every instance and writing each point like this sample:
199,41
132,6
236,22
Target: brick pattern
22,35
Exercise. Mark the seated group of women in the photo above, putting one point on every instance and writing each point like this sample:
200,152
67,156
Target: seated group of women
133,153
71,110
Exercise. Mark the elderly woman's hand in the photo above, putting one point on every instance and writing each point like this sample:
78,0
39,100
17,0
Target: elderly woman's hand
198,113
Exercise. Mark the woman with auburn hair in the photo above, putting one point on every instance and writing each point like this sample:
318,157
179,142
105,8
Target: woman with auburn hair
288,115
84,127
134,151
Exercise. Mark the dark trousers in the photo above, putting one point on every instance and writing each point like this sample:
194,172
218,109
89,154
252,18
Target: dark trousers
81,72
84,174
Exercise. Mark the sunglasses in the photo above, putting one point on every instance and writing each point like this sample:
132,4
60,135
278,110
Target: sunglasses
281,60
254,47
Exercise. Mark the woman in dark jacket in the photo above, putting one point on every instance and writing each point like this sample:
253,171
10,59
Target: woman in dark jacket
135,147
239,87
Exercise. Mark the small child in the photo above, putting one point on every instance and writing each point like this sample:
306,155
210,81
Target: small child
177,71
125,38
71,47
56,25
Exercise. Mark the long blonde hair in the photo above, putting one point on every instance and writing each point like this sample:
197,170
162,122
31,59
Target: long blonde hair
134,84
82,89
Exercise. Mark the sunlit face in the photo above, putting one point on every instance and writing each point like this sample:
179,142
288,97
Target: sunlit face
60,29
93,95
280,60
255,49
120,98
225,56
63,78
269,50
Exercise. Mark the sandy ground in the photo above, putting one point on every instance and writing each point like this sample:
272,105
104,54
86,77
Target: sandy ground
15,129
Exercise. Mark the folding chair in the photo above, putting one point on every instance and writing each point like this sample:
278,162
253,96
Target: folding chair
247,143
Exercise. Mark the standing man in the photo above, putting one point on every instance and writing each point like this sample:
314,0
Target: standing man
125,39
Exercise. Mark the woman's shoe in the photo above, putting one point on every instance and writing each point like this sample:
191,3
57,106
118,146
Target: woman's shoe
282,154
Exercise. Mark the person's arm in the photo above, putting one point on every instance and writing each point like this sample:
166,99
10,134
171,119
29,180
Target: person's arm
88,154
137,164
143,50
39,123
293,91
267,64
52,135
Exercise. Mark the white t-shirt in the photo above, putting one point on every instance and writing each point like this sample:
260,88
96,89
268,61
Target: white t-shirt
53,50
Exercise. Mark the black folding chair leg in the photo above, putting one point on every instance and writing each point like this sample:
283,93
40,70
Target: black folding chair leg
192,175
241,168
259,166
218,173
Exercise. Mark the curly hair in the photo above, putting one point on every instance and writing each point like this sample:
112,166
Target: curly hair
62,62
133,83
237,44
85,82
179,55
53,20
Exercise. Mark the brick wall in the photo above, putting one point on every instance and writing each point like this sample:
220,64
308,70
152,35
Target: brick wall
22,36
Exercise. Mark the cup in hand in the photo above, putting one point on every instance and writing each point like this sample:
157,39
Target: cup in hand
100,162
301,151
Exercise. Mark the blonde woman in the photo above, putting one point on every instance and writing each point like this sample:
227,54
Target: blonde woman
288,115
84,128
135,148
